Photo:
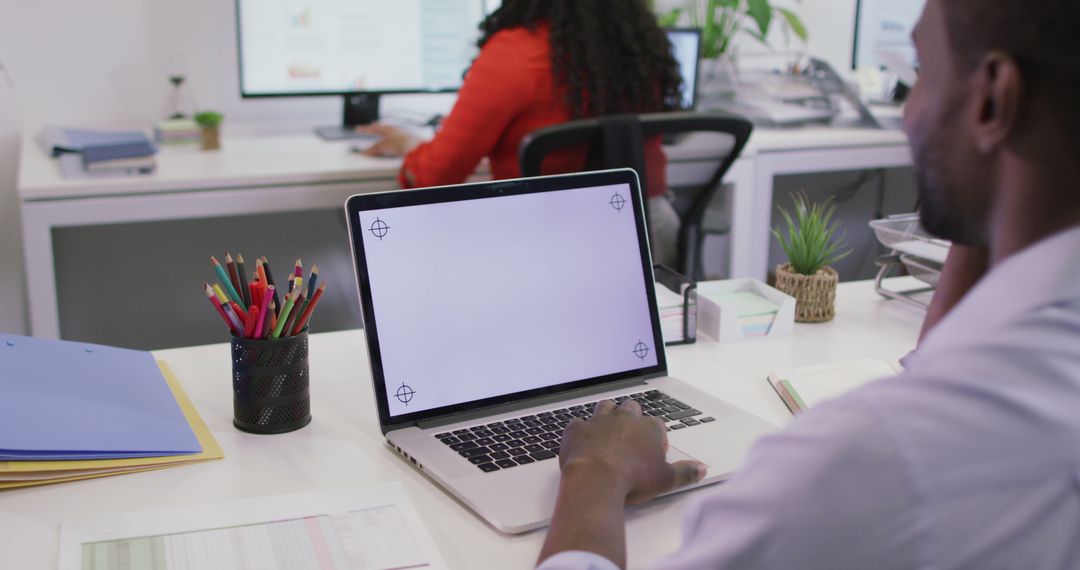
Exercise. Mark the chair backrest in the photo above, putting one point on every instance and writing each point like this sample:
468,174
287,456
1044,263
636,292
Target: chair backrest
618,141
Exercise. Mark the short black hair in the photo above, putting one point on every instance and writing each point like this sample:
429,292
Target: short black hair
609,56
1042,35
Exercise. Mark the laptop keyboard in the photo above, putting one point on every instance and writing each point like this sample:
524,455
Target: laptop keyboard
528,439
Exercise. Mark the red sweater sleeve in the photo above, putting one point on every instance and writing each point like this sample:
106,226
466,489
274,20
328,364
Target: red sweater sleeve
494,92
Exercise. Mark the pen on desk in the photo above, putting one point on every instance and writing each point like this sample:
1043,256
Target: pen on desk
290,299
225,279
213,301
302,322
270,278
241,275
234,279
312,279
260,326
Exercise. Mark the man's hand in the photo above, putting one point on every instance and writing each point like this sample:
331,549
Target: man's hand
614,458
394,142
625,449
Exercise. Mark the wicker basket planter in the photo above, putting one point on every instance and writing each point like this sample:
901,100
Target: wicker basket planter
211,138
815,295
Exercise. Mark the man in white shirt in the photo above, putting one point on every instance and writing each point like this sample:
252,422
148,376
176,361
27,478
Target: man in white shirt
971,457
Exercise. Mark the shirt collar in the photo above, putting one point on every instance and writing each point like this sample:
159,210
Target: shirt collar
1043,274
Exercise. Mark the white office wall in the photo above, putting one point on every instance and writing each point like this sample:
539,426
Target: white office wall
105,63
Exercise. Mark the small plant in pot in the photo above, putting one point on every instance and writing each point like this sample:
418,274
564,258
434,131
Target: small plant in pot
210,124
812,246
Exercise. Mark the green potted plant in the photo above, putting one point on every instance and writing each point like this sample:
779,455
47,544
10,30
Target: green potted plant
210,124
720,21
812,246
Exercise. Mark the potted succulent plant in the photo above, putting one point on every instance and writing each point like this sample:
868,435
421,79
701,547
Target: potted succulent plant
720,22
812,246
210,124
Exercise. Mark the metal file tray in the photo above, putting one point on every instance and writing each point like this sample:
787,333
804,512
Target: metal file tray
913,252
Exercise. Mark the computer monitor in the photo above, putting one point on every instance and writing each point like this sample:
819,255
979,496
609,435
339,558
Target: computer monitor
359,49
883,33
686,47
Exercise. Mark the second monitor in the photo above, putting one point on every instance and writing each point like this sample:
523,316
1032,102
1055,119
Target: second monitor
359,49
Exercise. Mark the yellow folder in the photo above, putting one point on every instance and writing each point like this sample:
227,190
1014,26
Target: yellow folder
15,474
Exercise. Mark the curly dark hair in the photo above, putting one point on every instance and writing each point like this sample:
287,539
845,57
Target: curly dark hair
609,56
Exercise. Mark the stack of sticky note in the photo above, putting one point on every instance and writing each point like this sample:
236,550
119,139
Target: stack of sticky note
673,321
756,313
74,410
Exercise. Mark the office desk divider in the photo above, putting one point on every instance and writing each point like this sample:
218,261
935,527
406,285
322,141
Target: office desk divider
271,384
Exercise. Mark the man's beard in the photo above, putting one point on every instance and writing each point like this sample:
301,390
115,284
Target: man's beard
939,210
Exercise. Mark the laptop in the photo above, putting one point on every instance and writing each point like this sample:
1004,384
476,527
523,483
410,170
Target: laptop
497,312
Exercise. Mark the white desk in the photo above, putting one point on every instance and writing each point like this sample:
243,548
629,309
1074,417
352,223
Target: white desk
343,447
254,175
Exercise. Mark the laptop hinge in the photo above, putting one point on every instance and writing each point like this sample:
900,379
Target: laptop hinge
531,402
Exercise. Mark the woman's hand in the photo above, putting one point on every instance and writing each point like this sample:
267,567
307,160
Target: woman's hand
393,142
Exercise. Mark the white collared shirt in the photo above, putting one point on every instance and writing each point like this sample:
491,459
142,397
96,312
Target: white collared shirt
969,459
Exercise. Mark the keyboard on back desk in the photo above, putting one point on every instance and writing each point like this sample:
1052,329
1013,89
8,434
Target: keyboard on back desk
532,438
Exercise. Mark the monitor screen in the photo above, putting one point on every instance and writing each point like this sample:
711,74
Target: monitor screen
475,299
883,32
317,47
686,47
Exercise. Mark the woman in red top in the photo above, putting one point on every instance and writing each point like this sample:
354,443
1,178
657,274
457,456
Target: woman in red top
545,62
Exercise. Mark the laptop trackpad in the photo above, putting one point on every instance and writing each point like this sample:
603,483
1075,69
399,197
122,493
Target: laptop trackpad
675,454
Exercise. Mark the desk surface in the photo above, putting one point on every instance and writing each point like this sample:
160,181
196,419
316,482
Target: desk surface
277,160
344,448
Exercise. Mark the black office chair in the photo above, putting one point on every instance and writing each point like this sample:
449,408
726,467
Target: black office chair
618,142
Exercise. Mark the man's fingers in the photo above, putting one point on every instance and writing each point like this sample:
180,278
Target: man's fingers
604,407
632,406
687,471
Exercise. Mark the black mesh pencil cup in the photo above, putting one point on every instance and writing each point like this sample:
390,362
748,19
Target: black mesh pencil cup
270,384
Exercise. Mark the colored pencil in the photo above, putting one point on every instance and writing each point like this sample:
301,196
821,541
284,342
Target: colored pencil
265,303
294,313
254,292
241,274
239,311
272,321
234,279
225,279
298,271
312,279
260,269
237,324
213,301
298,282
270,279
299,311
253,316
221,297
300,324
290,299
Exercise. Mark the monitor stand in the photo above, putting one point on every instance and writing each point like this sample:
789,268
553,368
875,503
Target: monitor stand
359,109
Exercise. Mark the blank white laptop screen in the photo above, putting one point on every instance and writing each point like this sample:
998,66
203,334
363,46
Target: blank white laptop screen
480,298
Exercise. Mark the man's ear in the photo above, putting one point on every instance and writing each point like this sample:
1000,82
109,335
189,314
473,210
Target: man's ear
999,89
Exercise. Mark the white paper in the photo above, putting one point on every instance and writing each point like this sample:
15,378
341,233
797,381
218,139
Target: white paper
373,528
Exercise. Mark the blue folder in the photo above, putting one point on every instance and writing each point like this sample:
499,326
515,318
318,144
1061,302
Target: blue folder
95,146
70,400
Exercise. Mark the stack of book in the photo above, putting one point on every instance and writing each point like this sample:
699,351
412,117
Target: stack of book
83,151
76,411
177,131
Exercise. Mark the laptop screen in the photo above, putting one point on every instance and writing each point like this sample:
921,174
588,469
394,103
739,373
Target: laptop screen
480,294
